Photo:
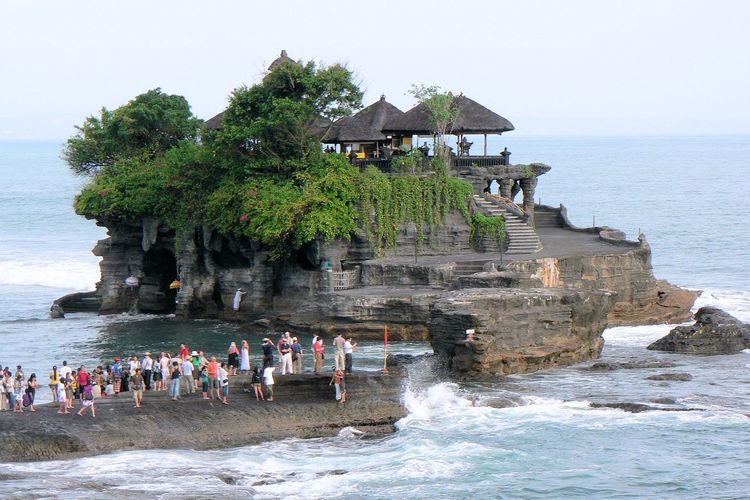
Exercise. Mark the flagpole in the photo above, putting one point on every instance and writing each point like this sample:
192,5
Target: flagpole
385,350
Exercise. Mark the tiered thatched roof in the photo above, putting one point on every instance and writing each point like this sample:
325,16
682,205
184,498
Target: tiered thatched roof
473,118
365,126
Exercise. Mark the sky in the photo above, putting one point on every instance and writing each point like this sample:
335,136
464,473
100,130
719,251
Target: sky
573,67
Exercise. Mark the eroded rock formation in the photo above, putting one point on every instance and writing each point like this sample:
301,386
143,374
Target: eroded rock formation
714,332
518,331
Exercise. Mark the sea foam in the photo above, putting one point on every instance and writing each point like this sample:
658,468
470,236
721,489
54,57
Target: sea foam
75,274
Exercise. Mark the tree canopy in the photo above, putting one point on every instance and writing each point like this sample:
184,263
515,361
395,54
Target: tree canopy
147,126
278,123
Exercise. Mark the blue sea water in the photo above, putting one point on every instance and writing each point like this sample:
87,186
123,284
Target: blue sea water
688,195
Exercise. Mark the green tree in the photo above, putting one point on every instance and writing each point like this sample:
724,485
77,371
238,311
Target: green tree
145,127
277,124
442,110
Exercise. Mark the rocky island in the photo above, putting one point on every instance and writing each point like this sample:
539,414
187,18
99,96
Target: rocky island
290,212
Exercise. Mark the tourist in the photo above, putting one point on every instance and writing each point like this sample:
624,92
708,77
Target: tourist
54,378
65,370
184,351
137,383
286,356
213,376
257,374
233,358
125,376
70,389
97,380
204,381
338,344
245,357
174,381
164,368
83,380
268,381
18,395
9,386
187,376
133,364
348,351
31,390
117,376
195,359
267,352
338,381
224,383
147,367
60,389
296,356
319,355
88,401
3,395
19,371
237,299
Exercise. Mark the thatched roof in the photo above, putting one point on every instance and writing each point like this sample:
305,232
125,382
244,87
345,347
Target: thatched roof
365,126
473,118
280,61
214,123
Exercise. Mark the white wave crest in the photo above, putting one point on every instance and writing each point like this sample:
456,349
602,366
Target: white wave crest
735,302
64,273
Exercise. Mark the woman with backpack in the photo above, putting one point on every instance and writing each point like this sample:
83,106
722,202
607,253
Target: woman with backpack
257,387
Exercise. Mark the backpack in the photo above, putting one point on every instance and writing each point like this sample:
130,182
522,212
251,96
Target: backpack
26,400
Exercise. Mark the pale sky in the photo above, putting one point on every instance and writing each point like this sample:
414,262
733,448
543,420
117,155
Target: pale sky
568,67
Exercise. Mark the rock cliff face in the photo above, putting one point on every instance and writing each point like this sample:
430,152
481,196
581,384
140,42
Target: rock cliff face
518,331
639,297
534,311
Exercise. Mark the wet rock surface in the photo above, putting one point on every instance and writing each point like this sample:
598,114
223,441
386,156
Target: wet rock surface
714,332
304,406
638,407
676,377
629,365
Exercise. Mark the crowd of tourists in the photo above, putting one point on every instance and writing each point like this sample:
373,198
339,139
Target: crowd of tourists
187,372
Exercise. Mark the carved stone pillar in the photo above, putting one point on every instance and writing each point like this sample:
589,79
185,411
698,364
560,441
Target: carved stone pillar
528,185
506,186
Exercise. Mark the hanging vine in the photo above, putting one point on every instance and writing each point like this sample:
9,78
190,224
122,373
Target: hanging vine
388,202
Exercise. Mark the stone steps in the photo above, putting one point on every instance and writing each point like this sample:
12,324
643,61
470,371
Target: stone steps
521,237
545,218
468,268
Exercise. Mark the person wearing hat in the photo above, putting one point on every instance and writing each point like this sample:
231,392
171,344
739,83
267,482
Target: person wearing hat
195,359
117,376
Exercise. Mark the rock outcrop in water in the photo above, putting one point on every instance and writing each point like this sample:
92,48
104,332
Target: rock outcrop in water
303,407
518,331
714,332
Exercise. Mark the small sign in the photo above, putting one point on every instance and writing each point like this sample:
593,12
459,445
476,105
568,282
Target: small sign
470,334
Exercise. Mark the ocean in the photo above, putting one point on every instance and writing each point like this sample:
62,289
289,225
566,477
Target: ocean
688,195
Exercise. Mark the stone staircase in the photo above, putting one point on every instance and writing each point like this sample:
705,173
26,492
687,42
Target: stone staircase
467,268
547,218
521,237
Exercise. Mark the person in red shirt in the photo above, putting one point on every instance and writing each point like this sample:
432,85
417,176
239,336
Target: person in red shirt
184,351
83,380
318,348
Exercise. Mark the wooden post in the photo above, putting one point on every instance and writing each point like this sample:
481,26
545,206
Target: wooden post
485,144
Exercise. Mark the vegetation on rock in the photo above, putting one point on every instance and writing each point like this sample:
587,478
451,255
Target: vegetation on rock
262,174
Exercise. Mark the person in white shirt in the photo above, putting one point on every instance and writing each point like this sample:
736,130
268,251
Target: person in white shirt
65,370
348,350
187,376
224,383
268,381
147,365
